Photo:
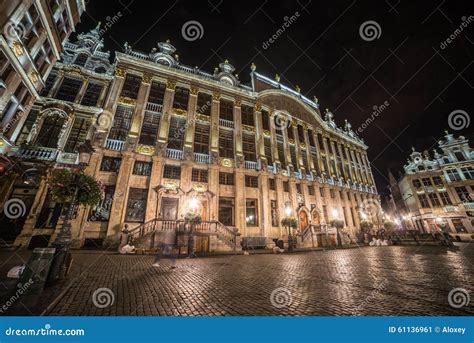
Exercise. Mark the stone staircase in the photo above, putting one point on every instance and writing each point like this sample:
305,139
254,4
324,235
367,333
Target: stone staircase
222,238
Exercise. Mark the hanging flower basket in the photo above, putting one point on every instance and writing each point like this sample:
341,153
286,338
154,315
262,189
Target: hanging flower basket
337,223
193,218
63,184
290,222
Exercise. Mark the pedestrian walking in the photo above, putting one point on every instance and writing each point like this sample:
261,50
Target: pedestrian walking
167,245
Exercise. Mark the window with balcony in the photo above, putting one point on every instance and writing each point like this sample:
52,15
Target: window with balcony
426,182
199,175
121,124
437,181
251,212
81,60
172,172
110,164
92,94
131,86
69,89
204,104
142,168
226,179
311,138
445,199
78,134
136,205
247,115
50,131
251,181
416,183
201,139
459,156
150,127
424,203
300,131
157,93
248,147
226,110
463,194
226,211
226,143
176,133
290,132
181,98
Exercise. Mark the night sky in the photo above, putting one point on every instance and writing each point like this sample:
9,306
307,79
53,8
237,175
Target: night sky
410,65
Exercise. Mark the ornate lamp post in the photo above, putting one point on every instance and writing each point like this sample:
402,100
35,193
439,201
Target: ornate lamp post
289,222
192,218
62,242
338,224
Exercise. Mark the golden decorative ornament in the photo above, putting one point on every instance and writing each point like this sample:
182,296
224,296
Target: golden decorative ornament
277,78
180,112
291,141
267,133
171,84
248,128
258,107
127,101
200,187
147,78
237,102
302,145
146,149
17,48
34,77
202,117
216,96
171,184
227,162
120,72
253,67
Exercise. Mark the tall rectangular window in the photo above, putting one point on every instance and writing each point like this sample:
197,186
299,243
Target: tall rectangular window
251,181
101,212
310,189
271,184
199,175
437,181
281,154
49,84
265,120
251,212
226,110
157,93
131,86
311,138
248,147
286,186
226,179
201,138
325,214
110,164
121,123
423,201
69,89
453,175
172,172
267,146
274,212
181,97
92,94
463,194
226,143
226,211
247,115
294,161
150,127
445,199
204,104
142,168
434,200
322,192
176,133
468,173
78,134
136,205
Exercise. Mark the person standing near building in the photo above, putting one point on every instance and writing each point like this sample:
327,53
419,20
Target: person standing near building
167,245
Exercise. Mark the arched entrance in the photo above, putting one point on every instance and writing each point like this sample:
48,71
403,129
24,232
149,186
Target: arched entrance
315,217
303,220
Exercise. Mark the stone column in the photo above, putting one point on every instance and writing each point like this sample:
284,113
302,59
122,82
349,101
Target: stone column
239,155
273,138
264,206
259,136
82,90
152,209
214,129
240,201
280,203
119,206
213,186
140,106
311,163
57,83
165,118
298,152
191,124
103,93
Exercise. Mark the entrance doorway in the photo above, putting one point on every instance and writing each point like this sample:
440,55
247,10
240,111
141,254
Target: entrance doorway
169,208
303,217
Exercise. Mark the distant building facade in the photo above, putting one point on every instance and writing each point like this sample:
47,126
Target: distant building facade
438,190
168,136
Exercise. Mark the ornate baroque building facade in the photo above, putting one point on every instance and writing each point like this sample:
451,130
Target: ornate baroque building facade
168,136
439,189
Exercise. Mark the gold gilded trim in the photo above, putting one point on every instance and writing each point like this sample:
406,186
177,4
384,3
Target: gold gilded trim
146,149
227,162
127,101
120,72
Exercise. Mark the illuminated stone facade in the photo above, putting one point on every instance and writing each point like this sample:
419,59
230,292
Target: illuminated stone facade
168,136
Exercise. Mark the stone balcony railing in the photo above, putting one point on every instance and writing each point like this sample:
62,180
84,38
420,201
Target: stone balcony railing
37,153
201,158
114,144
250,165
226,123
151,106
174,154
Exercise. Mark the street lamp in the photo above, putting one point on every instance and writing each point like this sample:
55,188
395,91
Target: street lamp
289,222
62,242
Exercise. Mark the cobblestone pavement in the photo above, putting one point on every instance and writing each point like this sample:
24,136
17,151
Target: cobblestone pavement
367,281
